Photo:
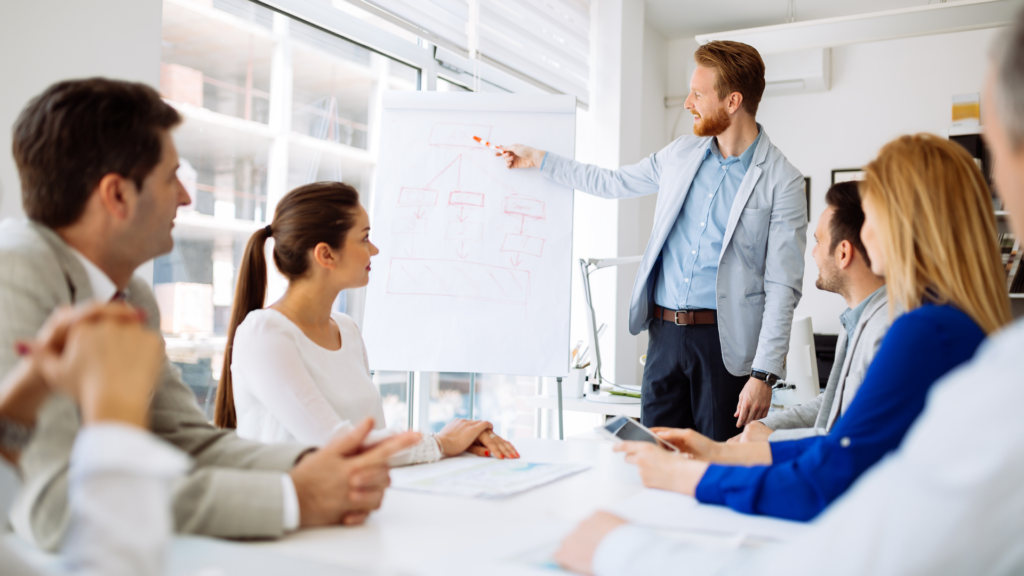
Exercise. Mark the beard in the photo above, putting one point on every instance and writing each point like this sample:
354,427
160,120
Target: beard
830,280
711,124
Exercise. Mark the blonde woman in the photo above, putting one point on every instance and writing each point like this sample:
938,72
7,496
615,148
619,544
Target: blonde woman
929,229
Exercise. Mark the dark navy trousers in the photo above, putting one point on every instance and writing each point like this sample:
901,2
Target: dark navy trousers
686,384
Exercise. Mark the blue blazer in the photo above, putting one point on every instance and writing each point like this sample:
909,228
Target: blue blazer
761,267
807,475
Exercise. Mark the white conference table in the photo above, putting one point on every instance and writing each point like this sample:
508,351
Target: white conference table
424,534
413,530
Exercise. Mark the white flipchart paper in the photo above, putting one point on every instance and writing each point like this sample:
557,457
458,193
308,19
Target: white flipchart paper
474,268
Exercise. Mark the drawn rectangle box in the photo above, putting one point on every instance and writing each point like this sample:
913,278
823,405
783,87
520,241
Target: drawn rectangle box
528,207
524,244
409,226
458,279
466,199
453,135
464,231
417,197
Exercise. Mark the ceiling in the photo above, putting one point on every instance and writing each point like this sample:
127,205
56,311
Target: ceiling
686,18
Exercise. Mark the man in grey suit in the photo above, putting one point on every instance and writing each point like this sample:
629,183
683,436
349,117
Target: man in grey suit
724,266
843,268
99,185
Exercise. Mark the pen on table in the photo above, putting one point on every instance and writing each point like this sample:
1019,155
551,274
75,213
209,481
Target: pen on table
583,366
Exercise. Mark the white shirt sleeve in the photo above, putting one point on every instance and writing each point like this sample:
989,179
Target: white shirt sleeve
120,485
278,377
948,501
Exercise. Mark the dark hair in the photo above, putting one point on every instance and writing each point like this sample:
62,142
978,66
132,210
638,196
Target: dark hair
306,216
738,68
847,217
78,131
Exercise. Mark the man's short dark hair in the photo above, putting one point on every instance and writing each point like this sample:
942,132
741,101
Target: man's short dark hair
847,217
78,131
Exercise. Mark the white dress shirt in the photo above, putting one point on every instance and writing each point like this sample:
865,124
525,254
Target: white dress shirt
948,501
288,388
119,489
103,290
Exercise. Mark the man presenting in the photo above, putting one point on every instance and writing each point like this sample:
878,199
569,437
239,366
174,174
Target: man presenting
724,265
843,268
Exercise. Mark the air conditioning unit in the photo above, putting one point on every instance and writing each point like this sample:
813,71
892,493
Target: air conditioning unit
799,71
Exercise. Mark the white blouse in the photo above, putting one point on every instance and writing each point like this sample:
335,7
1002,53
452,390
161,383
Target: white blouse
287,388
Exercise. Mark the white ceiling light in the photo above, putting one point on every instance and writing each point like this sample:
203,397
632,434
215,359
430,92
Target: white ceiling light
886,25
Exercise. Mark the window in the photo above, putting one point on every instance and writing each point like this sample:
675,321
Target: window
270,103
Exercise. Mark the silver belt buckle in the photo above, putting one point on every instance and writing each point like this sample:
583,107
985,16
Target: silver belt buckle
676,319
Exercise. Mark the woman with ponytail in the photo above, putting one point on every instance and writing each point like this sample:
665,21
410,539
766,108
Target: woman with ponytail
297,371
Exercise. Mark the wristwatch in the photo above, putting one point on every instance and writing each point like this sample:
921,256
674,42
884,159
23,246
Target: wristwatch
766,377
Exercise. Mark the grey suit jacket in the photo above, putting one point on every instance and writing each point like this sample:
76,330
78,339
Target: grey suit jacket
816,417
234,490
761,266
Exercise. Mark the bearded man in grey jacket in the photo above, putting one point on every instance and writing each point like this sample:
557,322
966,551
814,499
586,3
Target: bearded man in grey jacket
843,268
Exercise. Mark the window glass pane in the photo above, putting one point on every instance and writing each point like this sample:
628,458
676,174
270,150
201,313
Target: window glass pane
269,104
446,86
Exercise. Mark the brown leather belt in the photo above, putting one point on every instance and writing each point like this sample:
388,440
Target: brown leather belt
685,317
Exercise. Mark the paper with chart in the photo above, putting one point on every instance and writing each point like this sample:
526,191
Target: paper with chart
476,477
474,268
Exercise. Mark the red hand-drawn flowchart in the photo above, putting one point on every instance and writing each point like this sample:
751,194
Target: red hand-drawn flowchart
463,193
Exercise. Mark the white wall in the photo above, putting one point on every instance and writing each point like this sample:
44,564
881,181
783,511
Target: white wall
624,124
879,91
43,41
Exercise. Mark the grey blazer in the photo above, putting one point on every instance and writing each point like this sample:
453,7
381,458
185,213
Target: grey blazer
761,266
234,490
816,417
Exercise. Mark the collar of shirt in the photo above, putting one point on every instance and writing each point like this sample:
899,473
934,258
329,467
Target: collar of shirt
103,288
744,159
851,317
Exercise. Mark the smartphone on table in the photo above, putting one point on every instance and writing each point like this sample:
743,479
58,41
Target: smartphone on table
623,428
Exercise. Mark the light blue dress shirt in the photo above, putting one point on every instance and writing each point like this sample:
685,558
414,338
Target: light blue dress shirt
689,258
851,317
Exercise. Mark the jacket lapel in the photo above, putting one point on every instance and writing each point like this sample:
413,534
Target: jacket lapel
746,189
79,287
851,351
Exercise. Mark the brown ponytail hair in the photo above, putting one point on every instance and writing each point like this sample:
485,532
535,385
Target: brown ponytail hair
306,216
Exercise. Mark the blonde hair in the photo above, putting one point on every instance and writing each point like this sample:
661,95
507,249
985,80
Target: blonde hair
937,229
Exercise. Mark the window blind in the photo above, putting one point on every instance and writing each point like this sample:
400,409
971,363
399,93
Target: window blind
545,41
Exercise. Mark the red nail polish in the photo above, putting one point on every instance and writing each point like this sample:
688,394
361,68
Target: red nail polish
487,452
21,349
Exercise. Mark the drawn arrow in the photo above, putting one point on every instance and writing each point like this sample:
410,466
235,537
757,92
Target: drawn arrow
518,260
522,222
462,251
419,212
462,214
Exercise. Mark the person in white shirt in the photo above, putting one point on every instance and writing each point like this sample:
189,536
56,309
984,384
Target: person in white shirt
949,500
297,371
